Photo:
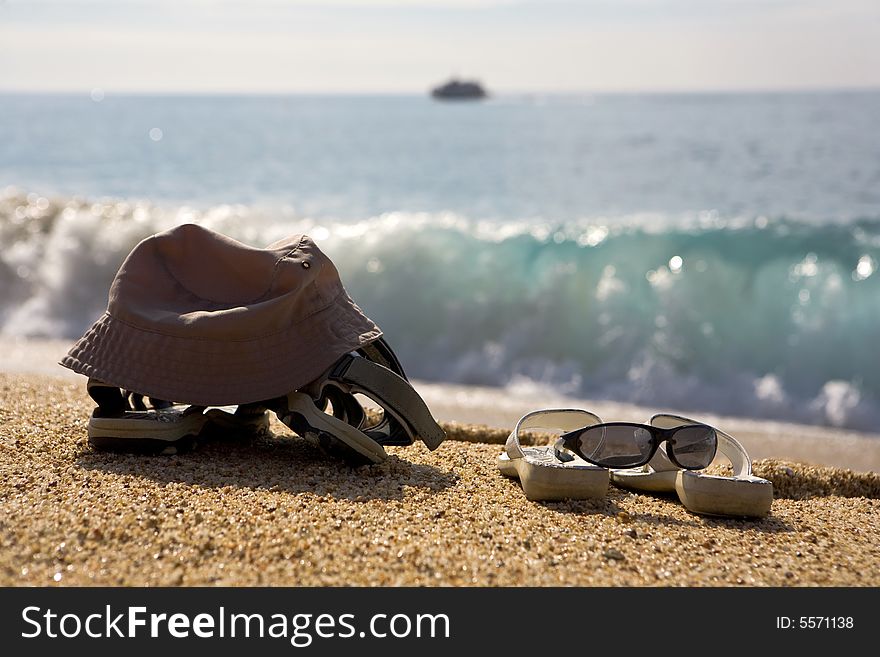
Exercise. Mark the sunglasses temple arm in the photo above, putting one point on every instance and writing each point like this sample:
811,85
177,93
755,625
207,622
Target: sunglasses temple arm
564,453
561,450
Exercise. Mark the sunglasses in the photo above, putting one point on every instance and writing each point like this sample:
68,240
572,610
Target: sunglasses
690,445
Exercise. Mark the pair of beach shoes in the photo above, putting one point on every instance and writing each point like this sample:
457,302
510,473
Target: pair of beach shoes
326,413
552,472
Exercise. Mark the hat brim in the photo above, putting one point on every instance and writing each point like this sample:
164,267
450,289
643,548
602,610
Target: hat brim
220,372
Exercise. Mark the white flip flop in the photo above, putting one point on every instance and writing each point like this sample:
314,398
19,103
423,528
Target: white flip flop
739,495
542,474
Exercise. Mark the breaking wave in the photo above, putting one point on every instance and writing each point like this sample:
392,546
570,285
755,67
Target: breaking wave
754,316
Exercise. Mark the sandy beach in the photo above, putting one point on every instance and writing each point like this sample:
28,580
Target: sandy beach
275,511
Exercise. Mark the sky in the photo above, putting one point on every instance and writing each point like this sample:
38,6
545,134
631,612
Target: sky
406,46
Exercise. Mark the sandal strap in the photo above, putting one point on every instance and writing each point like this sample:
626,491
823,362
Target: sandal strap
110,400
566,419
661,462
406,408
347,408
136,401
388,431
379,351
735,453
729,446
114,401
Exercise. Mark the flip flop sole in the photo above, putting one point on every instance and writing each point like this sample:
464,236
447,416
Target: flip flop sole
145,446
550,482
650,482
711,495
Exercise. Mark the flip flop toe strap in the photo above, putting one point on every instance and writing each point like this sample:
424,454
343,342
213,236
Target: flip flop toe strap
729,446
566,419
660,462
735,453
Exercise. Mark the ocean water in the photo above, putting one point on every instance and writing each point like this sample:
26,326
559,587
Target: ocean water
704,252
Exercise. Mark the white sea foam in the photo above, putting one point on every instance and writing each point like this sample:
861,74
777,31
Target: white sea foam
773,320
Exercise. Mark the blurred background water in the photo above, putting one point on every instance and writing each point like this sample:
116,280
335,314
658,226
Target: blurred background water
703,251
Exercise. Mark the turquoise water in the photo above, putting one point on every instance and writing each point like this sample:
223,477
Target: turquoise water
708,252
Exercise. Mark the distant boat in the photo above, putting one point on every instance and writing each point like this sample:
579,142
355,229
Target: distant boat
459,90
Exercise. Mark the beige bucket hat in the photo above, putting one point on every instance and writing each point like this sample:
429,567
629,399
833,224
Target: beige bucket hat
196,317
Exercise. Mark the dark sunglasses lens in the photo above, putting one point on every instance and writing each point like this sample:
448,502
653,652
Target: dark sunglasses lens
694,446
617,446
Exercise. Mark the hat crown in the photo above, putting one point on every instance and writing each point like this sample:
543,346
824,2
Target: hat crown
214,267
192,281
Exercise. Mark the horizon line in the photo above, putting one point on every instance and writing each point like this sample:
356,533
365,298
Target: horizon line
503,93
